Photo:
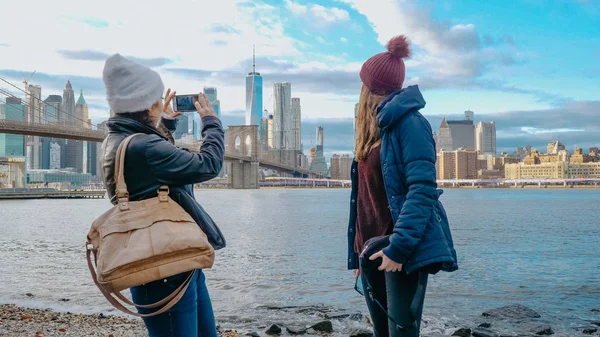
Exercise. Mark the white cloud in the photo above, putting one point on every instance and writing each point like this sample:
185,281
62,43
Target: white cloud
318,15
444,49
213,37
343,40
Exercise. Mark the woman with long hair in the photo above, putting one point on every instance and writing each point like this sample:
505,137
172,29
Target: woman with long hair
134,94
398,230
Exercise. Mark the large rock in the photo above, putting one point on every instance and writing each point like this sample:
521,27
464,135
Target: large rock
516,311
485,325
595,322
361,333
462,332
538,329
273,330
482,332
589,331
323,326
253,334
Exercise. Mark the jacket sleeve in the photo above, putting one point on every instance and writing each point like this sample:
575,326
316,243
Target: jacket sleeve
175,166
418,156
170,123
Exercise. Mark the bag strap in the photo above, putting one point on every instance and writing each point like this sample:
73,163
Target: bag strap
172,299
121,186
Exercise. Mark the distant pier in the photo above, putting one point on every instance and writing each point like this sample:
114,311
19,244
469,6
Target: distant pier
49,193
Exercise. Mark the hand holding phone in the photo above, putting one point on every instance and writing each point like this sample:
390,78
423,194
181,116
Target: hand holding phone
204,107
167,107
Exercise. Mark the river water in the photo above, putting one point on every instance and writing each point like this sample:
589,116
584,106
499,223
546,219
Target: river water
536,247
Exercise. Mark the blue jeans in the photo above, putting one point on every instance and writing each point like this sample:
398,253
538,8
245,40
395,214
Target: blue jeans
192,316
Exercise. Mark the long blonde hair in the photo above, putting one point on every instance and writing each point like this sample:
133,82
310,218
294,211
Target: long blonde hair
367,131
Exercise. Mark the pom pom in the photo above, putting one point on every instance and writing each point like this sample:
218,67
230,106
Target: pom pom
398,46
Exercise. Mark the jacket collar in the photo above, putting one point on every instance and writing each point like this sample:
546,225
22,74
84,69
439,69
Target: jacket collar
398,104
128,126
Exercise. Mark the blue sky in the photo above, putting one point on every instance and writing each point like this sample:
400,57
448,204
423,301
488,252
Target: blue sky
531,65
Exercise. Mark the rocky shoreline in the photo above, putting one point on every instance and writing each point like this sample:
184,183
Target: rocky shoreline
508,321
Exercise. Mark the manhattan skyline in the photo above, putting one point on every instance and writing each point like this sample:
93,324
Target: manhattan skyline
530,66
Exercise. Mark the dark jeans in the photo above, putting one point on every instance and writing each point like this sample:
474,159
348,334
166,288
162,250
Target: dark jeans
395,291
192,316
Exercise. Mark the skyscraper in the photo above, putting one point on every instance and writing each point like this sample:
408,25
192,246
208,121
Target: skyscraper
35,115
270,130
454,135
74,148
51,147
319,164
296,123
211,95
68,105
282,116
82,112
485,138
52,108
254,103
264,132
12,145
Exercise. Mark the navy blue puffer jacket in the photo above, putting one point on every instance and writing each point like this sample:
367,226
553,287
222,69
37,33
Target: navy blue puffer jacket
421,236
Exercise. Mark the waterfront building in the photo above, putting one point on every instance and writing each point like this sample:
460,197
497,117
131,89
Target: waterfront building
458,164
12,172
579,157
550,170
340,167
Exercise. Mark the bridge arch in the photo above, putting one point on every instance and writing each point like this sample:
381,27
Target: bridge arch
242,141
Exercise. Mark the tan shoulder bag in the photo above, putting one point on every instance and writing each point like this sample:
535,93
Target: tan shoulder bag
137,242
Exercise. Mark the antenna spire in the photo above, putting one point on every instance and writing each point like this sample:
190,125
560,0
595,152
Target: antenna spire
253,59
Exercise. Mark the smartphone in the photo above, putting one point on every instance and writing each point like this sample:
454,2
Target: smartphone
184,103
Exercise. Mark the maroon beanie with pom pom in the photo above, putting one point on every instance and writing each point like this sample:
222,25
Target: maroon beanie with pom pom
384,73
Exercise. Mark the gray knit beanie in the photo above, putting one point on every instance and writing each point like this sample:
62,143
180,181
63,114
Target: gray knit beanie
130,87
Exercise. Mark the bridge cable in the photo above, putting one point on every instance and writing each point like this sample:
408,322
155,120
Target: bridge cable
26,93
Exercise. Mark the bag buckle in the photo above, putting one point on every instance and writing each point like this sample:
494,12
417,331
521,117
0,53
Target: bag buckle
163,193
89,246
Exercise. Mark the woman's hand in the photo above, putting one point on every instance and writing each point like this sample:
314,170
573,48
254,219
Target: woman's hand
386,263
168,109
204,107
356,273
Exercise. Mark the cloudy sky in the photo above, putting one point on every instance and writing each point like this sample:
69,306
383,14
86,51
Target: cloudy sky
533,66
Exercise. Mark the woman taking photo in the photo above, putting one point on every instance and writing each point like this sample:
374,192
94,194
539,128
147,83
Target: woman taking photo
397,224
134,93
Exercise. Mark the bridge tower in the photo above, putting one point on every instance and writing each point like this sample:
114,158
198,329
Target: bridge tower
242,143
